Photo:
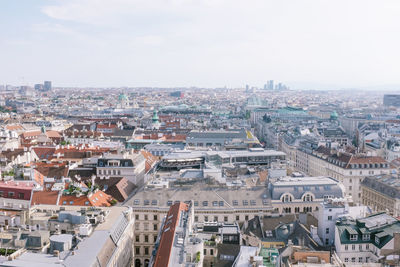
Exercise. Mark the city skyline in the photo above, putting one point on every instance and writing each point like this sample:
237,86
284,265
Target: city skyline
307,44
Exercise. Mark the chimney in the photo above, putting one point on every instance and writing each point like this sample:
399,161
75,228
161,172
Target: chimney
93,179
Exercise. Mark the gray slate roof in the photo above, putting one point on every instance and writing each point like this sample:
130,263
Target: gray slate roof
319,186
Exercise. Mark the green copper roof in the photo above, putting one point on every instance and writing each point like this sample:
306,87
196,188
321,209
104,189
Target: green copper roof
334,115
122,97
155,116
379,227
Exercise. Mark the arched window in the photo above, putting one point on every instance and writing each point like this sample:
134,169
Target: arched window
308,197
287,198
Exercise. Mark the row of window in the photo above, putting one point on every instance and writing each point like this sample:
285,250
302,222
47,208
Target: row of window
12,194
353,259
360,247
206,203
305,198
146,217
146,251
216,218
109,172
369,165
146,238
146,202
297,209
354,237
146,226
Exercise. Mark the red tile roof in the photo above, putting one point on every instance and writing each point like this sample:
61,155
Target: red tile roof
52,169
44,198
150,159
14,127
98,199
44,152
168,233
106,126
50,134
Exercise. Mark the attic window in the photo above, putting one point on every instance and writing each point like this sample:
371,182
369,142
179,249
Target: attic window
86,203
71,202
353,237
64,202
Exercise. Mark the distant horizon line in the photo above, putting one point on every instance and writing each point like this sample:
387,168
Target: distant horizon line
383,88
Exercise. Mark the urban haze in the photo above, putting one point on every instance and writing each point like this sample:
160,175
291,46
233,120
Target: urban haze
191,133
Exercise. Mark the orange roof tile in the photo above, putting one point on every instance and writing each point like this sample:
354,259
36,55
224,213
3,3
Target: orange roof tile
50,134
97,199
44,198
168,234
150,159
14,127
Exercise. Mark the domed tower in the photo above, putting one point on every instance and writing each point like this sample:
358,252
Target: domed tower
123,101
334,116
154,119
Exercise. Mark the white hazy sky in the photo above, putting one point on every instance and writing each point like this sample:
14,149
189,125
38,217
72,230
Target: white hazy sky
209,43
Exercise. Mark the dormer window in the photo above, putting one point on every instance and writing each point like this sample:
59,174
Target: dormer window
307,198
377,240
353,237
286,198
366,237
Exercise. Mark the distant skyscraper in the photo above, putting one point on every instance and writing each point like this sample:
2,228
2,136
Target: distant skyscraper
177,94
265,87
47,85
391,100
247,87
39,86
270,84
